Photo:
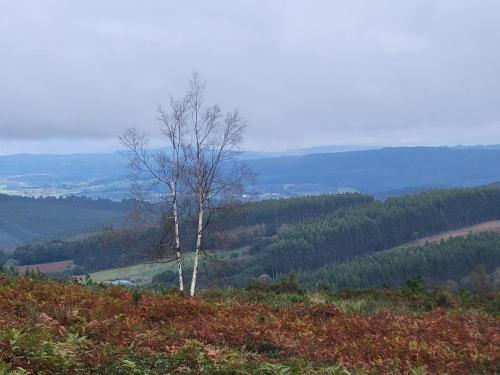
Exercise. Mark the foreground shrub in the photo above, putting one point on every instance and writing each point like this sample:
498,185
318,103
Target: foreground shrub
50,327
287,284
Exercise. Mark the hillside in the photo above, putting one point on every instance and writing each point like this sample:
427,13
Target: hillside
487,226
300,234
452,259
25,219
231,229
376,171
368,272
360,231
386,172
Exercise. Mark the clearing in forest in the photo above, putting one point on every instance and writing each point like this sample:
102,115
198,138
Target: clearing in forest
487,226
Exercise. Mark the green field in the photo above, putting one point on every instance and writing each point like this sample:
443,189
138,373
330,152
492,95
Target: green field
143,273
140,274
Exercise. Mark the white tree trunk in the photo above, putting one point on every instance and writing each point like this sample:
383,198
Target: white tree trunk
178,243
198,249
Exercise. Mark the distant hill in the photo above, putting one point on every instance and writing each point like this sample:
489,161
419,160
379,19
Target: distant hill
329,149
376,171
27,219
406,191
92,175
384,172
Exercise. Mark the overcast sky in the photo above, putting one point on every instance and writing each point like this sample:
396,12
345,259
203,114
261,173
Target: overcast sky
74,74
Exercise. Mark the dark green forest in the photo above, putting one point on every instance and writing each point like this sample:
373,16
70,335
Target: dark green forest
359,231
231,227
378,226
304,234
452,259
275,212
24,219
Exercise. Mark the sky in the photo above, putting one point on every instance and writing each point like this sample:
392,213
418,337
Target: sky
75,74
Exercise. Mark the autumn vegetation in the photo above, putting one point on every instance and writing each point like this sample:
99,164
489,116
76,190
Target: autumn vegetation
49,327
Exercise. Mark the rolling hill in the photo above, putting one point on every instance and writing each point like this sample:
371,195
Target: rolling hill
376,171
384,172
25,219
230,230
294,235
452,259
360,231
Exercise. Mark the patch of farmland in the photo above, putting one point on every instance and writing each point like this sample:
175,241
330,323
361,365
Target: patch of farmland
48,268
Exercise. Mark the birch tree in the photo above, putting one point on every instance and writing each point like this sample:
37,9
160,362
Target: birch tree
213,172
202,159
163,168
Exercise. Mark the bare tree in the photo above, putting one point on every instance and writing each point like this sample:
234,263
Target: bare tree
200,165
213,173
163,168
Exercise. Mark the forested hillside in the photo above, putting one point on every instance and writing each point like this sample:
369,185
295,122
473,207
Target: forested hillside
362,231
25,219
274,212
452,259
230,228
300,234
104,250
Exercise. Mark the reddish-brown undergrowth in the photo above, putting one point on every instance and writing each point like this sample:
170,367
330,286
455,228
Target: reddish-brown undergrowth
442,341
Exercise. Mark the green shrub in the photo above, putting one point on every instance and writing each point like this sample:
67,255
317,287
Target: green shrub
412,287
288,284
136,296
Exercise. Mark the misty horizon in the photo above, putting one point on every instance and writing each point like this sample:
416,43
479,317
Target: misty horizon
62,148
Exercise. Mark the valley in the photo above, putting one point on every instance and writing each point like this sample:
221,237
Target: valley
383,172
249,187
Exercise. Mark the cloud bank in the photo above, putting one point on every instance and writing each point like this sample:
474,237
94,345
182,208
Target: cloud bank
302,73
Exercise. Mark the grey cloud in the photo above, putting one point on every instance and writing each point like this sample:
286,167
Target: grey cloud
303,73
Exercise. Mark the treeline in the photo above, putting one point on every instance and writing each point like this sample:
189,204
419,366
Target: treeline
105,250
241,225
363,231
378,226
231,228
452,259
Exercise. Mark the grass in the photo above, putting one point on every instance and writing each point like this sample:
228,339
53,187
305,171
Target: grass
143,273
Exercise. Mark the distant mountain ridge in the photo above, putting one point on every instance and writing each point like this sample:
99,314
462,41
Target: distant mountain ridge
374,171
328,149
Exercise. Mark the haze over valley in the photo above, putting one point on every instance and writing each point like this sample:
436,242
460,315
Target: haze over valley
294,173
